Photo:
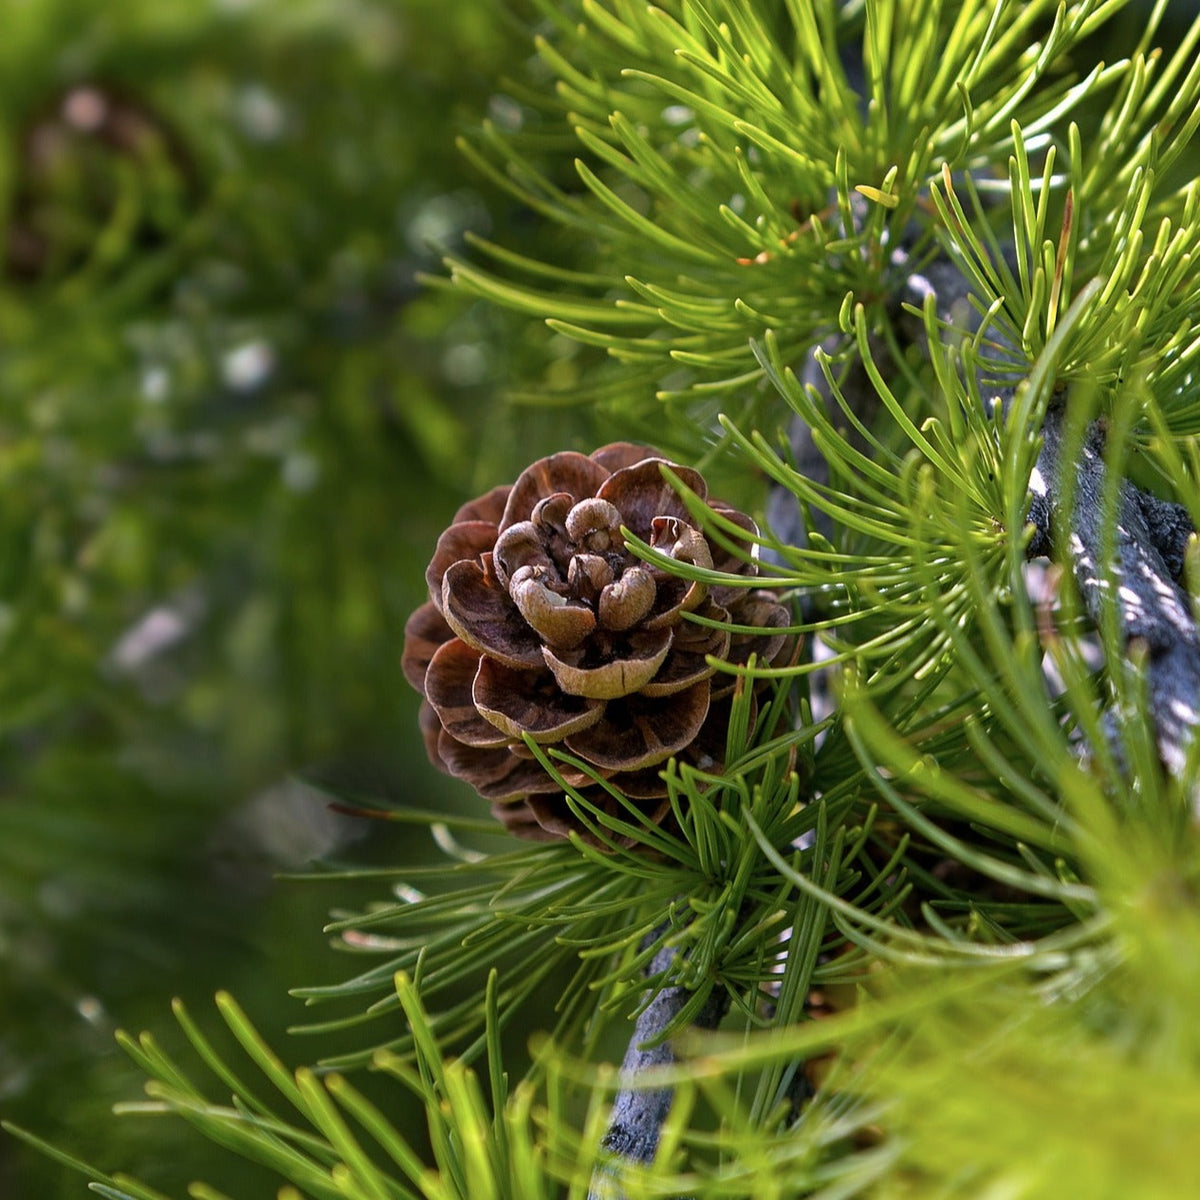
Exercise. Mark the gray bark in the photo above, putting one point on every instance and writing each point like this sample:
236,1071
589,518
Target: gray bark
638,1113
1146,538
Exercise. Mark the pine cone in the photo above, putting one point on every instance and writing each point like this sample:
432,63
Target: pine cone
540,622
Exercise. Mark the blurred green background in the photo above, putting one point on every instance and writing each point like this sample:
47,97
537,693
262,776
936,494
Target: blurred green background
232,425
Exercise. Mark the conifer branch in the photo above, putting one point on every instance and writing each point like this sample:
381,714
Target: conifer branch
1146,537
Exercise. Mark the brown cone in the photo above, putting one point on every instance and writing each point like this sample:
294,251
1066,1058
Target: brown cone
541,624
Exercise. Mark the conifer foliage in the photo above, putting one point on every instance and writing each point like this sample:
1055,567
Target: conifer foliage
918,281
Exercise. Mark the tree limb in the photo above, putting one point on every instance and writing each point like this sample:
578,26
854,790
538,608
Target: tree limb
1146,538
638,1113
